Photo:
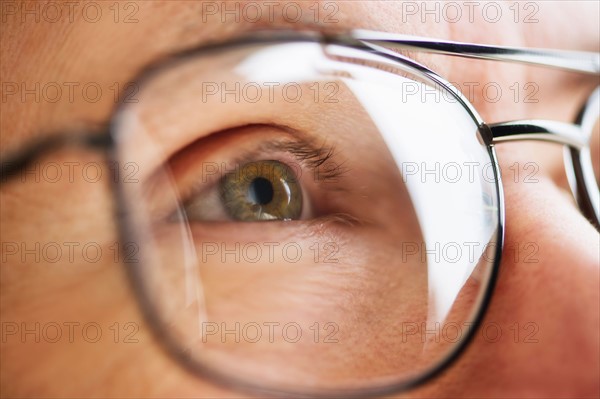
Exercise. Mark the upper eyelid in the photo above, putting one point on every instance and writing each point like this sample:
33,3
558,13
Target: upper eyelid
311,151
301,147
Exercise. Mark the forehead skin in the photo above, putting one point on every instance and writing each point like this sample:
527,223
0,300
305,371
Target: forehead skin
77,53
107,52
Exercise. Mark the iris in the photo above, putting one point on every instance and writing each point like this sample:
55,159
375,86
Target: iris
263,190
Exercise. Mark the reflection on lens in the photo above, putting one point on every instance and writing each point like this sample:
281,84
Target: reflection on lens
377,286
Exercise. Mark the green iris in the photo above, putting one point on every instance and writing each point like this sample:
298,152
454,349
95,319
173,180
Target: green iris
264,190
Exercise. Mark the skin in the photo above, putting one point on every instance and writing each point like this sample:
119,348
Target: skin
558,294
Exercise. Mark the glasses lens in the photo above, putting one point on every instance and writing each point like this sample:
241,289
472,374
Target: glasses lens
311,218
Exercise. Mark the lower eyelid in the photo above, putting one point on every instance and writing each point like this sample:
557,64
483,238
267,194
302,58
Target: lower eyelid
330,225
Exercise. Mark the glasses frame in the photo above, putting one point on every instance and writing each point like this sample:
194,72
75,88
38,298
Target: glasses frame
575,137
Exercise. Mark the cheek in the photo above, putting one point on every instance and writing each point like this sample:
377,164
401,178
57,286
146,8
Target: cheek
70,324
331,293
548,292
540,334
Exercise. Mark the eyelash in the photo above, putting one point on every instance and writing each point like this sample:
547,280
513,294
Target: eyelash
317,159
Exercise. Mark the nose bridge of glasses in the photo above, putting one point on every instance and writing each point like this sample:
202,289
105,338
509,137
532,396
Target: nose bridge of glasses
576,139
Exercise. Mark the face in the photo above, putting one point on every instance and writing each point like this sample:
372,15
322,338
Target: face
259,176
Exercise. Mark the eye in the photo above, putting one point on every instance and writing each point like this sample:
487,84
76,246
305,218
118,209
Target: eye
264,190
273,176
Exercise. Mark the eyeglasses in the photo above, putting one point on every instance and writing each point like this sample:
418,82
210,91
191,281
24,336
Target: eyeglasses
313,214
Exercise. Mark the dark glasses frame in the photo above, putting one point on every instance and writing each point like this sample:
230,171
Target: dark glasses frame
575,137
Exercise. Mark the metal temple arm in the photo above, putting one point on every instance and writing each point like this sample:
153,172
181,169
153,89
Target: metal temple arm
578,61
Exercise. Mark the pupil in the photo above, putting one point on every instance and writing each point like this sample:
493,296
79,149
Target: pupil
260,191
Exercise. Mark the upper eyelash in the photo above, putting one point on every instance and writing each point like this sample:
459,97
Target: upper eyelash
304,149
309,152
314,157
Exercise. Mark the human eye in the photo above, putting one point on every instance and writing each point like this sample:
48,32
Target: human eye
278,174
